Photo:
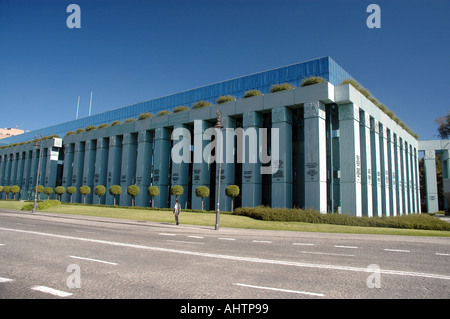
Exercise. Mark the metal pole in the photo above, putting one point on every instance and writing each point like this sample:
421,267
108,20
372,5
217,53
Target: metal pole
90,105
219,149
218,190
37,175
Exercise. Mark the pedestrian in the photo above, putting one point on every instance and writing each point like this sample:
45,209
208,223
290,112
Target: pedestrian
176,210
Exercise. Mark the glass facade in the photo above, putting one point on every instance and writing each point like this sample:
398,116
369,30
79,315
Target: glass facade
294,74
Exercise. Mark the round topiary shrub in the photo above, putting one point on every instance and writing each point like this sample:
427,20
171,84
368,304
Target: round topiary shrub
313,80
143,116
281,87
161,113
252,93
226,98
179,109
200,104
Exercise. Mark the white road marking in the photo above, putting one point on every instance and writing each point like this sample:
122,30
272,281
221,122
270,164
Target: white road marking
52,291
322,253
5,279
442,254
96,260
282,290
398,250
262,241
2,244
226,238
185,242
199,237
349,247
236,258
303,244
166,234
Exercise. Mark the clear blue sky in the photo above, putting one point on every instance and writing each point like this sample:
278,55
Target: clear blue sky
130,51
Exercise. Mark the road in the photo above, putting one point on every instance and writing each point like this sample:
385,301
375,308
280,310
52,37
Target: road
45,255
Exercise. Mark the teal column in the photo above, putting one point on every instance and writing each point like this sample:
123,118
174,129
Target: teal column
392,174
15,160
33,173
43,167
144,166
408,179
20,169
350,157
412,181
67,169
9,158
51,166
200,167
384,171
366,166
399,175
89,169
180,167
114,167
416,164
282,178
227,152
251,164
403,161
26,191
101,168
376,167
315,156
128,169
77,174
2,170
161,166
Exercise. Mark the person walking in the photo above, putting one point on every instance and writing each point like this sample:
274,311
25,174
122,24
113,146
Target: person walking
177,211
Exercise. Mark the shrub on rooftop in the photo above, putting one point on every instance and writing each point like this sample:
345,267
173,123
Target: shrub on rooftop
281,87
312,80
200,104
225,98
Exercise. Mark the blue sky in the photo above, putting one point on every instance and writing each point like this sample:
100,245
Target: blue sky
132,51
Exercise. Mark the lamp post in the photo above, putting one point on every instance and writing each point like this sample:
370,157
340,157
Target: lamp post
218,126
37,144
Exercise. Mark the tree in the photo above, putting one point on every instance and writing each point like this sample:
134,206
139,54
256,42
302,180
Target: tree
7,190
60,190
202,191
443,126
71,190
232,191
153,191
176,191
115,190
48,191
133,191
99,190
85,190
40,189
1,191
15,189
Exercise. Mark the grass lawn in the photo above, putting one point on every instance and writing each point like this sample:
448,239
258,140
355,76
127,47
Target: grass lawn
226,220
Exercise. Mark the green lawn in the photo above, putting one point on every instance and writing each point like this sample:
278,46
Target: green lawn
226,220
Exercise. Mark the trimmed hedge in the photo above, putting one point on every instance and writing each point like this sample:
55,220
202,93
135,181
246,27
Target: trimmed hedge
42,205
413,221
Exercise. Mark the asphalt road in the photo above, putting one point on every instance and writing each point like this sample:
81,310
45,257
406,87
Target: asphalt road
46,255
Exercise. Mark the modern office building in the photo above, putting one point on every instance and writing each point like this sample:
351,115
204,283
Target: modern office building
330,147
